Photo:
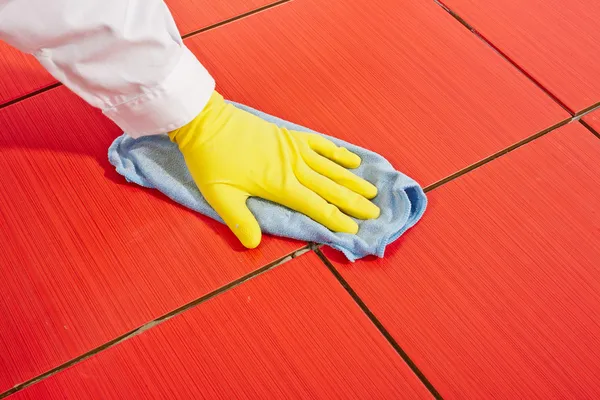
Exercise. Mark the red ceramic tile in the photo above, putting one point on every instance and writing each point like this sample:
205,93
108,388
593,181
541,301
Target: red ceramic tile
191,15
593,120
416,87
290,333
495,293
86,256
554,41
21,74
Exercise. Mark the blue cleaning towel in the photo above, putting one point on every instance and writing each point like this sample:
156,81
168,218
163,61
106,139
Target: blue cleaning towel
155,162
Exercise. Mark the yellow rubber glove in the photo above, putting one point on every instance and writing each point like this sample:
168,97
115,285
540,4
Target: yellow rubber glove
233,155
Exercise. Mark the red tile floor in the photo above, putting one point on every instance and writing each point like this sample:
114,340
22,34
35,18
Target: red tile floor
113,291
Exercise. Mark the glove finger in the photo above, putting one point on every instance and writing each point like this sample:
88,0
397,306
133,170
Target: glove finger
230,204
305,201
345,199
339,174
339,155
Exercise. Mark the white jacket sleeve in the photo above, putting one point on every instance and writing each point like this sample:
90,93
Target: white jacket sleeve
125,57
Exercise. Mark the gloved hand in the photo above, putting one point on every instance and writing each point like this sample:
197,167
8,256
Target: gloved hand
232,155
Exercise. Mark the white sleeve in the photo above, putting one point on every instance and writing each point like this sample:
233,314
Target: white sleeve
125,57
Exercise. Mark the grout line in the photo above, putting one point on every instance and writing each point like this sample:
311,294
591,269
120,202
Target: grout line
156,321
187,35
31,94
587,110
497,154
589,128
505,57
236,18
378,324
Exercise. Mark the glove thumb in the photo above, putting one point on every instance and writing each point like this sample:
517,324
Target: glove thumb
230,204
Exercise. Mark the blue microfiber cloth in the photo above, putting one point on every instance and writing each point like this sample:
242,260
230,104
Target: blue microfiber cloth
155,162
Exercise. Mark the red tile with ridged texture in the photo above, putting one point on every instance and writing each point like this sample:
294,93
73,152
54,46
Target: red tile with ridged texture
191,15
400,78
593,120
21,74
292,332
86,256
495,293
554,41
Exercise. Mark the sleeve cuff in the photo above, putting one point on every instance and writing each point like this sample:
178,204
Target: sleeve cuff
169,105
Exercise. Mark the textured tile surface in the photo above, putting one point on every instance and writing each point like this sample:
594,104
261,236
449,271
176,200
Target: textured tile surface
554,41
495,292
20,74
292,332
191,15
